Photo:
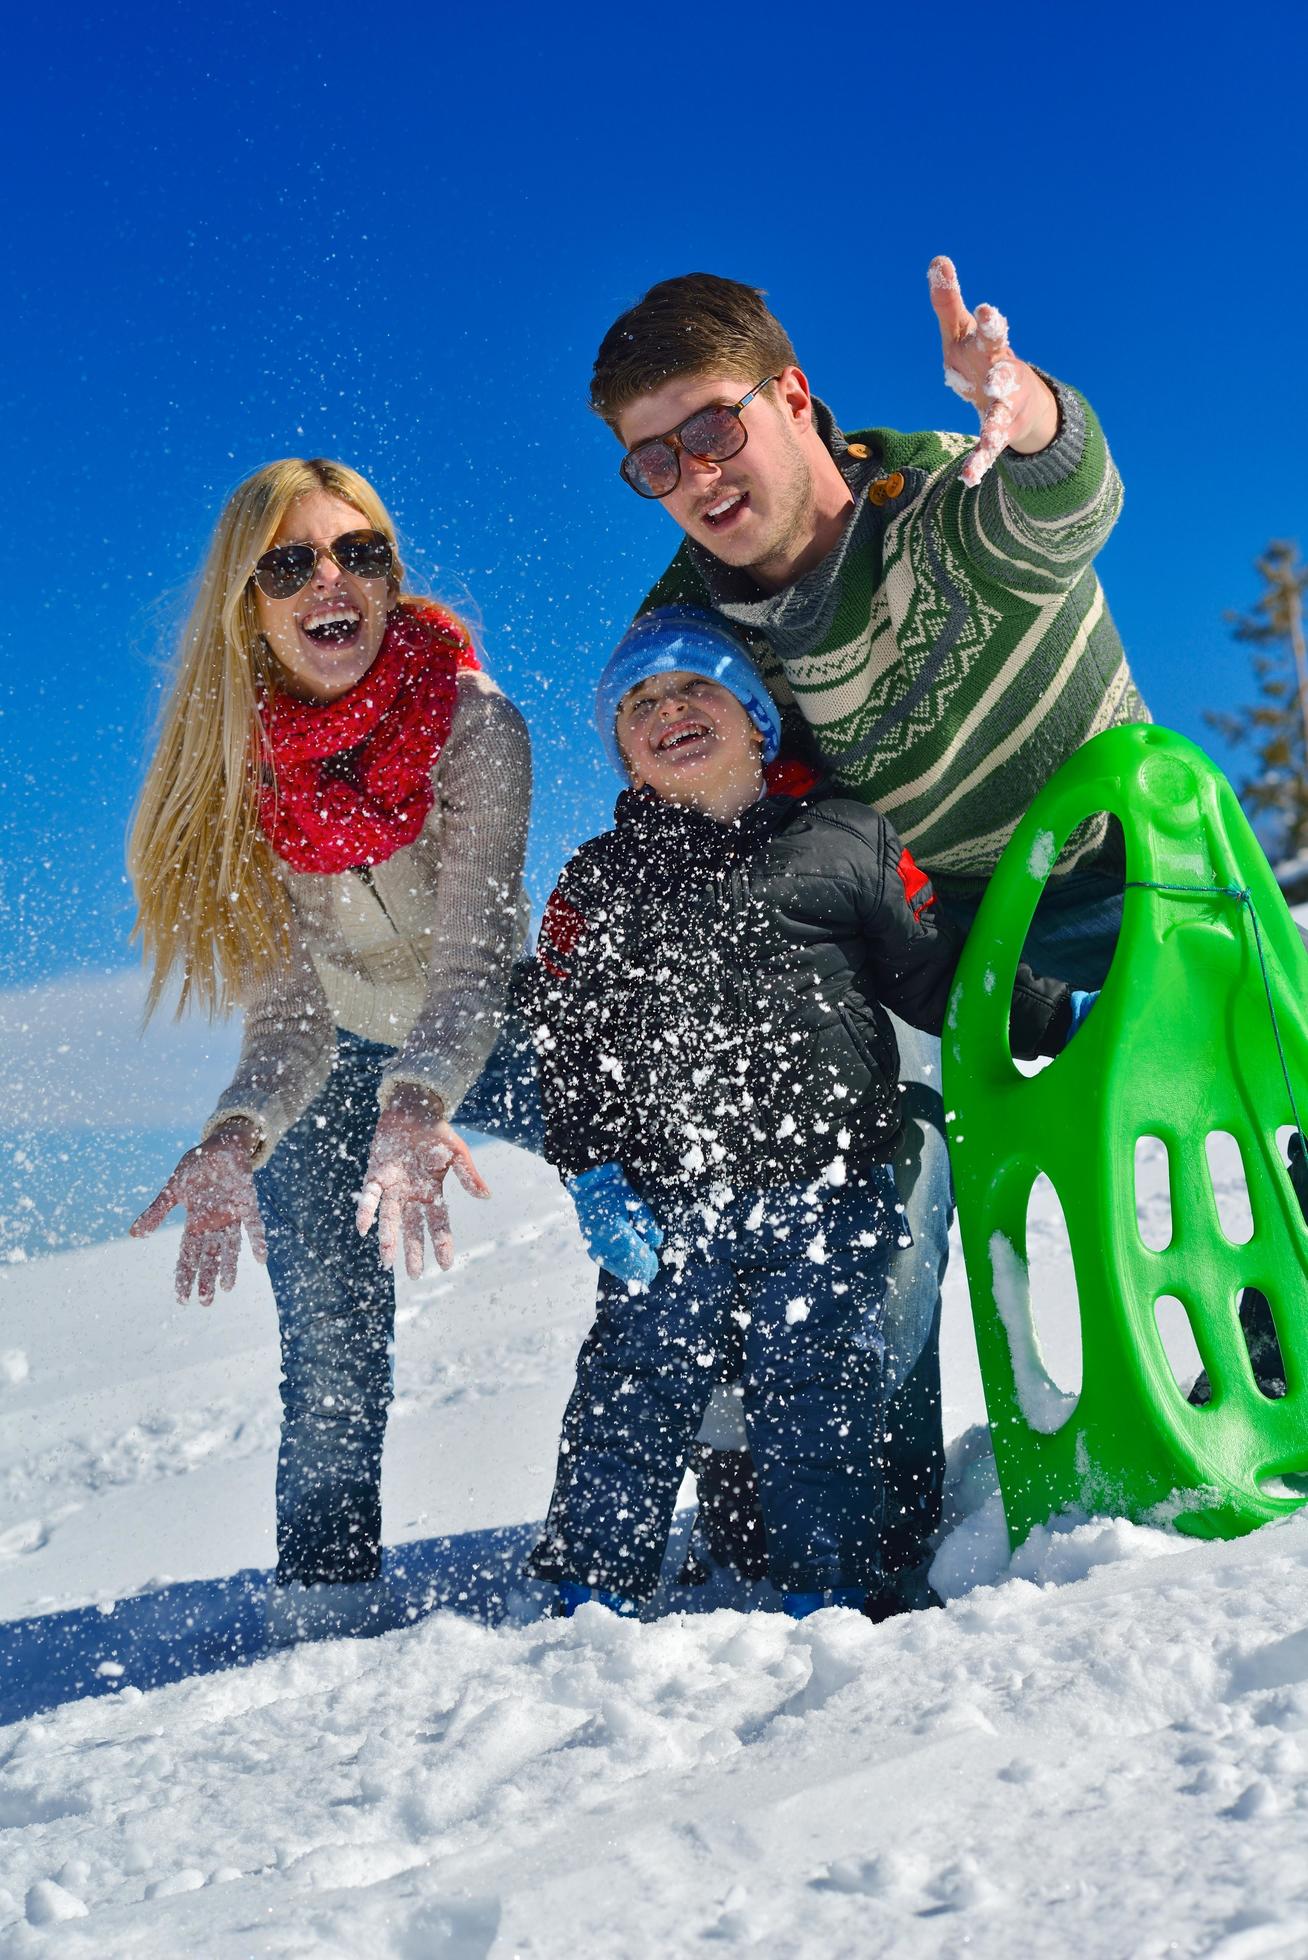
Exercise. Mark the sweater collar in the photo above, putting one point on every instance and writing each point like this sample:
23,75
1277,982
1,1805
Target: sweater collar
799,616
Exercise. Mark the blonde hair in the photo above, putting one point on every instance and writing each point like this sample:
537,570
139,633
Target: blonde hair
210,902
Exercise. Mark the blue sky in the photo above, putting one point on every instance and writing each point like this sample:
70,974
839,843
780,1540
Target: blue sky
397,238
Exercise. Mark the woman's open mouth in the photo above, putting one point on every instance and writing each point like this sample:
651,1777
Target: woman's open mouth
338,627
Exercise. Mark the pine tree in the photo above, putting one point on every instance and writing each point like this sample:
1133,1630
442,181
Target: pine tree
1275,727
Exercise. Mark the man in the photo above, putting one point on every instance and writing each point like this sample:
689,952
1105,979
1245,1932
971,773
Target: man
925,611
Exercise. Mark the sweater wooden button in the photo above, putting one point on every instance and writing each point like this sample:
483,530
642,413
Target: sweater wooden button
859,450
886,488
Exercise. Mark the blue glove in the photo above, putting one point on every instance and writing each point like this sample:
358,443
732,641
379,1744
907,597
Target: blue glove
1081,1005
620,1230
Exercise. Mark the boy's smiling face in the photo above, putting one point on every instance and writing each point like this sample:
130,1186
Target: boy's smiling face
689,740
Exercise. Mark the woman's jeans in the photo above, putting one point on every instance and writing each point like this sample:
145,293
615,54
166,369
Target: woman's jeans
336,1306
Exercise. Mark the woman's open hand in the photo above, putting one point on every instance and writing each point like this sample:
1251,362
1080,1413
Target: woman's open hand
413,1148
1017,408
216,1184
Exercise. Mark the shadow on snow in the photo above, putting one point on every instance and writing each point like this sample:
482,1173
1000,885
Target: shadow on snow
201,1626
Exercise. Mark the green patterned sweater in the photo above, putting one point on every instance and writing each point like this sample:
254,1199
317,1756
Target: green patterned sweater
954,647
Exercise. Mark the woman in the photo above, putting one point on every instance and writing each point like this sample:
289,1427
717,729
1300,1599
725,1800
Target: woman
331,835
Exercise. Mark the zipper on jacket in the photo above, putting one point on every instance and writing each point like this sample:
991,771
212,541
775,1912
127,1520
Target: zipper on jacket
363,872
742,893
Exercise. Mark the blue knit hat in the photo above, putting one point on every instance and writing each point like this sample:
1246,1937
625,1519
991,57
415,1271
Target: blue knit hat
683,639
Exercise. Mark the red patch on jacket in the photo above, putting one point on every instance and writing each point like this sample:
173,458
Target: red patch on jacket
914,880
788,776
560,929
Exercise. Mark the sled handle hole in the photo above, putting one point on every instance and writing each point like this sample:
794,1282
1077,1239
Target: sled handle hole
1153,1193
1230,1186
1263,1343
1176,1335
1032,1294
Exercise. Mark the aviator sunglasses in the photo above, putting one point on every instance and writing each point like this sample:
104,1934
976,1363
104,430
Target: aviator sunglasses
287,568
710,435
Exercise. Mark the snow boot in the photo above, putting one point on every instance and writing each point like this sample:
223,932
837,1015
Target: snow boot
340,1610
728,1529
910,1591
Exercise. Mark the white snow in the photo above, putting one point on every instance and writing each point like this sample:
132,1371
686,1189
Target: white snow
1039,1397
1100,1748
1044,851
1002,382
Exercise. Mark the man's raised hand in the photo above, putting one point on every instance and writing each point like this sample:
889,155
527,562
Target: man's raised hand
1017,408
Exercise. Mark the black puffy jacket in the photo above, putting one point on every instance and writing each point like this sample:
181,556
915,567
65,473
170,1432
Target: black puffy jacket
709,999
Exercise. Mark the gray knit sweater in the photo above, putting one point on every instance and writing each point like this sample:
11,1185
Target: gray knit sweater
415,953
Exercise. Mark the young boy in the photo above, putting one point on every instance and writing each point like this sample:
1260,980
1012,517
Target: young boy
721,1097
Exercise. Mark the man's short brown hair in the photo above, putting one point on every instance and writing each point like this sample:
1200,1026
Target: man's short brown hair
695,324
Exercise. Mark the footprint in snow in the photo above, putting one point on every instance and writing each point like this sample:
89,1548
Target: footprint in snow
29,1536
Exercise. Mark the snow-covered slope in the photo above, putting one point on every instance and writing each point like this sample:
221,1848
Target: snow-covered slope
1097,1749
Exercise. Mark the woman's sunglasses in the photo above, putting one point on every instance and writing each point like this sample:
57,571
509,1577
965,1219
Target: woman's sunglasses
710,435
287,568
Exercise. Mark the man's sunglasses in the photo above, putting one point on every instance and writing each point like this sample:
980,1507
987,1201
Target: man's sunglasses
710,435
287,568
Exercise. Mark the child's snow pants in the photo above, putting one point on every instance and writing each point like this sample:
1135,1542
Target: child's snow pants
784,1291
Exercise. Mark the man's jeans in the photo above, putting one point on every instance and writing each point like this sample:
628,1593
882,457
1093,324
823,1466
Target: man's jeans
784,1291
336,1307
1072,937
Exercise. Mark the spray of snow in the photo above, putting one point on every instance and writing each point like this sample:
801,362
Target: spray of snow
1040,1399
796,1309
959,383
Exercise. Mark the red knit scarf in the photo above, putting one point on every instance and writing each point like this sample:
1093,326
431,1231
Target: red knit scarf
351,778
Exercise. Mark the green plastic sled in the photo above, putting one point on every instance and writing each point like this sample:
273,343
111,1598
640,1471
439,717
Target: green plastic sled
1183,1041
